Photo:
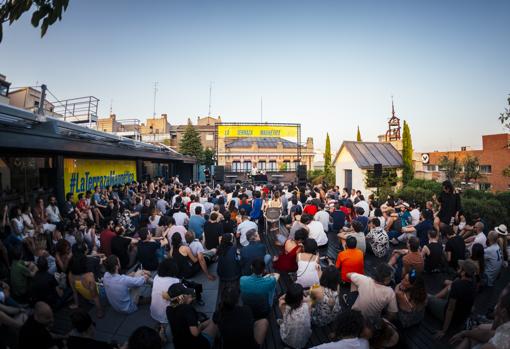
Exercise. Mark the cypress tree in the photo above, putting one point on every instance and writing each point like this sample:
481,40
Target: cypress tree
407,154
190,142
358,136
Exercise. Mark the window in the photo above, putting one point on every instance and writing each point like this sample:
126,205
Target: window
261,165
286,165
485,169
209,137
294,165
430,168
485,186
247,166
272,165
236,166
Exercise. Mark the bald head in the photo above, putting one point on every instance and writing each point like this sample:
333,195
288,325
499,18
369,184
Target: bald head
43,314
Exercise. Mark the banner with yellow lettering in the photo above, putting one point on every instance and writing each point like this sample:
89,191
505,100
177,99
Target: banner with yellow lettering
263,131
81,175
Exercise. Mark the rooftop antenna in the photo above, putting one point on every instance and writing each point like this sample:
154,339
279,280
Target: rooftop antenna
210,97
154,106
261,109
111,106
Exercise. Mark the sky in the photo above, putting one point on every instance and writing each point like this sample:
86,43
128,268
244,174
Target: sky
330,65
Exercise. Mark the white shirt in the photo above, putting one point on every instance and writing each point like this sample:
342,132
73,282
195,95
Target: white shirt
350,343
317,233
415,216
196,247
161,205
243,228
364,205
158,303
53,213
181,218
322,217
480,238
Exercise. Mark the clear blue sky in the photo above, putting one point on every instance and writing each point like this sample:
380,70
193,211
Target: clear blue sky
330,65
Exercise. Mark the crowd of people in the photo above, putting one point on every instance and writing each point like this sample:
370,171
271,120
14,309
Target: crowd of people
144,242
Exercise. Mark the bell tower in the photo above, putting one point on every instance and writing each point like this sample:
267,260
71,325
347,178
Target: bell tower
393,133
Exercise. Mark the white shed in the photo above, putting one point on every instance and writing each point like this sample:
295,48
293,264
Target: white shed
353,159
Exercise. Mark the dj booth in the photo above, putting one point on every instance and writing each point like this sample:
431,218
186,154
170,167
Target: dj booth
260,179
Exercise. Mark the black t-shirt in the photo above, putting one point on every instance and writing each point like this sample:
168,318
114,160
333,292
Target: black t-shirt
457,247
34,335
236,328
212,232
147,254
181,318
86,343
120,246
43,288
449,203
435,260
464,292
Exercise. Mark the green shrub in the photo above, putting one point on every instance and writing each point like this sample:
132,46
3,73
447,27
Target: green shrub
433,186
477,194
415,194
491,210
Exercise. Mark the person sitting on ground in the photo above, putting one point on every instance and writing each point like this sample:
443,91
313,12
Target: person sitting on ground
44,287
356,231
493,258
83,334
297,225
433,254
349,330
148,248
258,289
168,274
187,263
316,230
205,257
411,299
325,299
124,248
452,305
35,332
286,261
197,222
229,268
144,337
295,325
350,260
479,236
455,248
402,261
213,229
187,331
375,297
377,239
495,335
361,218
236,324
123,291
245,226
254,249
322,216
21,274
309,269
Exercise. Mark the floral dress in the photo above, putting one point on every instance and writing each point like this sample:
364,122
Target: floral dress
296,327
326,310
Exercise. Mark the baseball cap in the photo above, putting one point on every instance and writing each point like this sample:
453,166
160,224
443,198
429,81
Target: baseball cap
179,289
469,267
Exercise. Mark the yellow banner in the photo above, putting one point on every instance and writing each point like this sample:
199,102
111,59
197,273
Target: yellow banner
81,175
265,131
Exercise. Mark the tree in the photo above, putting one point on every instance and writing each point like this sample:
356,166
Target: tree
505,116
451,168
471,169
208,157
407,154
329,175
46,10
358,136
190,142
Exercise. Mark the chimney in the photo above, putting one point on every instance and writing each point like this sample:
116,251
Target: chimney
164,116
113,116
463,148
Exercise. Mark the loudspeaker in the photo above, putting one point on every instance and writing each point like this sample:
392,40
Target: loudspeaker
302,175
378,170
219,174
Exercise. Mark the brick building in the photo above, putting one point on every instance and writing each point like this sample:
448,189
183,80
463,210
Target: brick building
494,158
206,127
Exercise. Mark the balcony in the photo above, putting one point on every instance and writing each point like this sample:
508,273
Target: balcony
81,110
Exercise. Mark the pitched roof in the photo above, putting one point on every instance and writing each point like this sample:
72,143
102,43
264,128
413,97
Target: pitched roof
367,154
261,143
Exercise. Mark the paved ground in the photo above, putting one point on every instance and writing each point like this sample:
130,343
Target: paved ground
117,327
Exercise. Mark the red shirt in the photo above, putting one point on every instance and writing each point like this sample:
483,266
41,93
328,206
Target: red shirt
106,241
350,261
310,209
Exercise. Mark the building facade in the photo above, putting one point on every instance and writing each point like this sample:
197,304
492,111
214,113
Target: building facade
206,127
494,159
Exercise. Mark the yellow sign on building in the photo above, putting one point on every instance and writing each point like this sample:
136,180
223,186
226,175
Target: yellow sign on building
81,175
263,131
